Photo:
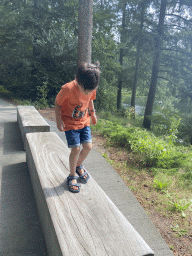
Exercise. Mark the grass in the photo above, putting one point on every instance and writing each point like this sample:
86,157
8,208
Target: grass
157,169
159,191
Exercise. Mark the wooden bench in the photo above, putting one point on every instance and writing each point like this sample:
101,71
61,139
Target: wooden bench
30,120
85,223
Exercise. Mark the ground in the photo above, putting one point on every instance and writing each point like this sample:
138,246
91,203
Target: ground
180,245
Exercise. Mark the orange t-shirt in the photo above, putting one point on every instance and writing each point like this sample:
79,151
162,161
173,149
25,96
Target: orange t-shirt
74,106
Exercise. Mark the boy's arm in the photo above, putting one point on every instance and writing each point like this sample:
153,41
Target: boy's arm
60,124
92,111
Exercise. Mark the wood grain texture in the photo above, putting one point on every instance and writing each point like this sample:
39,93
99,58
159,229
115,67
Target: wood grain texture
86,223
29,121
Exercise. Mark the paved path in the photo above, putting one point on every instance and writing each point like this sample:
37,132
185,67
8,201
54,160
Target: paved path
17,197
20,233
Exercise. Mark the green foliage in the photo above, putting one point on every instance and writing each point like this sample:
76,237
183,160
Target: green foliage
3,90
106,115
157,153
32,48
160,186
179,205
35,50
106,98
186,177
107,158
178,230
128,113
162,180
184,129
104,50
121,137
25,102
154,151
42,92
165,123
140,100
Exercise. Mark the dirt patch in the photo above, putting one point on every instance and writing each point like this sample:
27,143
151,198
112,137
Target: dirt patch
48,113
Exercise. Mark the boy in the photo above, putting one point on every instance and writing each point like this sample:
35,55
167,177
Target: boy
73,107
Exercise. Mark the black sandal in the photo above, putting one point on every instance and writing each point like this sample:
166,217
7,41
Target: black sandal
70,184
82,177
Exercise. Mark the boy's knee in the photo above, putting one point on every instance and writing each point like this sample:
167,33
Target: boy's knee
87,146
75,150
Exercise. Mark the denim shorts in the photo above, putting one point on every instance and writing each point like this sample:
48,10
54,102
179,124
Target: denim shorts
77,137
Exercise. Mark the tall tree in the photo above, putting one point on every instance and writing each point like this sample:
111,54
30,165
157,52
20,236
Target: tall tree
138,51
85,30
155,68
121,54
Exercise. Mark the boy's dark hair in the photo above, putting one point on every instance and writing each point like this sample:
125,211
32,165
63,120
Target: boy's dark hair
88,75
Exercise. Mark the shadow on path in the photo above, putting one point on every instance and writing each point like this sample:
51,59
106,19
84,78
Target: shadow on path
12,142
20,231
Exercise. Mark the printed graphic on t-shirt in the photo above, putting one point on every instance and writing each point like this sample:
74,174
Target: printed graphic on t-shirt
77,113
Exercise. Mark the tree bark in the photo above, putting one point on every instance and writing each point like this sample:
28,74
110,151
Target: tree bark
85,30
155,68
119,82
121,61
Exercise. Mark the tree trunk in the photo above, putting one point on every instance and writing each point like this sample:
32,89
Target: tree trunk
121,62
119,82
36,54
85,30
143,5
155,68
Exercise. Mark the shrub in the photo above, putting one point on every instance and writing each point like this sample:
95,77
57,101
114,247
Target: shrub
185,132
165,123
155,151
122,138
42,92
3,90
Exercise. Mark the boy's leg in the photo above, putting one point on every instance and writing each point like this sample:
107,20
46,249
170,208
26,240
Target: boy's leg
83,154
86,142
73,140
73,157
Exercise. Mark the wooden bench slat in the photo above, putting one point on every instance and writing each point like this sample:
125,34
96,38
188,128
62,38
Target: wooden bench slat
86,223
29,121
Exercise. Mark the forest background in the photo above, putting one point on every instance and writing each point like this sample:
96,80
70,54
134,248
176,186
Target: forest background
144,48
144,99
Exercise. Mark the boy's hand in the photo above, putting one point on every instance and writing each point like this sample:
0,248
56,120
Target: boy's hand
60,125
93,118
